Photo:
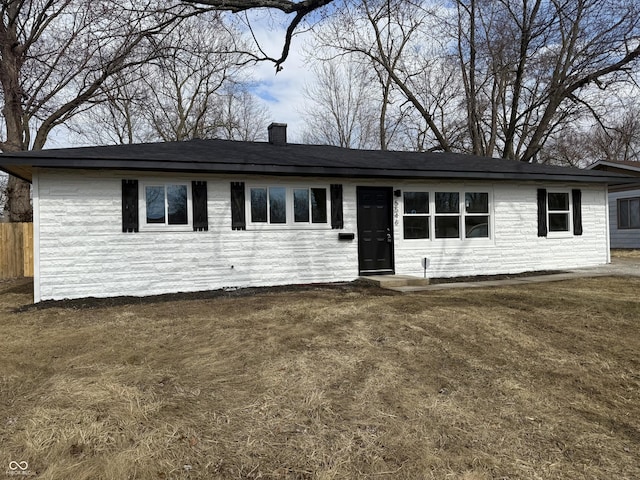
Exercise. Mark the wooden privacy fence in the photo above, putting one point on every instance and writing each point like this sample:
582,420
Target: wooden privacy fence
16,250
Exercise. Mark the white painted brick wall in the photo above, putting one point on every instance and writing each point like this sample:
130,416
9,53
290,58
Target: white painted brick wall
627,237
82,251
514,246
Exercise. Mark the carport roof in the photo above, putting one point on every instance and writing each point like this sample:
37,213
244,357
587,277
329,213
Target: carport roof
233,157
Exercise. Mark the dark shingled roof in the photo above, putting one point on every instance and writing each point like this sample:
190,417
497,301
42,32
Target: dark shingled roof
225,156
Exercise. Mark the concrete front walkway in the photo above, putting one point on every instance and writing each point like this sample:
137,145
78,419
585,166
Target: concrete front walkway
617,267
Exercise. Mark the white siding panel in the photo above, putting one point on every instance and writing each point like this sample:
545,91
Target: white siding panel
83,251
626,237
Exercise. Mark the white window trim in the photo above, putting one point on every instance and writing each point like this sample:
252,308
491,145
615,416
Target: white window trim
428,214
142,207
290,224
462,213
566,233
457,214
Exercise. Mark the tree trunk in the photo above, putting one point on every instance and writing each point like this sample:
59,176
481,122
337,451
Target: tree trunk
18,206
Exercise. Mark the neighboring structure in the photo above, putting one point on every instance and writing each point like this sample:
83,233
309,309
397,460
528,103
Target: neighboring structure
209,214
624,205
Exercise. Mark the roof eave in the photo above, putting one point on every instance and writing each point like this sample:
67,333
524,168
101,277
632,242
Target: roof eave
21,172
306,171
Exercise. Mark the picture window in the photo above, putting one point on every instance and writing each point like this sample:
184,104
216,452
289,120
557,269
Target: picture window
166,204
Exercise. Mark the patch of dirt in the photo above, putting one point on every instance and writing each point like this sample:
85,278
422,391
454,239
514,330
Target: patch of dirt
93,302
344,287
484,278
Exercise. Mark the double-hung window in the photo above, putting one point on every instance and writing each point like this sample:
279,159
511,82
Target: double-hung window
559,211
476,217
416,215
447,218
629,213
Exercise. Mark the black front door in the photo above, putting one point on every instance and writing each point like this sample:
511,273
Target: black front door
375,234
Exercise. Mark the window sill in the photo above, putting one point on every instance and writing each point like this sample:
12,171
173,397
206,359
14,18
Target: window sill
288,227
166,228
560,235
472,240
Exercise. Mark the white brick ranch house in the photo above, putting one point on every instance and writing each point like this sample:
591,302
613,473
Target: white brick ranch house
208,214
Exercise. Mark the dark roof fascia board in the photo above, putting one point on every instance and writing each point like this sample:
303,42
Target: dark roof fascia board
351,173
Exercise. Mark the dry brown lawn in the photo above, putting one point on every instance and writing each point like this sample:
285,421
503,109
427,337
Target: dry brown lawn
625,253
529,382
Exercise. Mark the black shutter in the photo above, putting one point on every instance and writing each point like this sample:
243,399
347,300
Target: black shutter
238,221
576,195
129,205
200,213
336,206
542,212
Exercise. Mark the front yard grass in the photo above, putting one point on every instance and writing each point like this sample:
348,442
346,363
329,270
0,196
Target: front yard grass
532,381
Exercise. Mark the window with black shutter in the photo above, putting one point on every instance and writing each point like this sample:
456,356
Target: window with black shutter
157,205
559,212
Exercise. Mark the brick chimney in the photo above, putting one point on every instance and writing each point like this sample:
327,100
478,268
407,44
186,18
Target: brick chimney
278,134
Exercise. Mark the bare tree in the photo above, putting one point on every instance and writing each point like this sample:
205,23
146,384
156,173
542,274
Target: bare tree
527,65
193,89
495,78
4,180
340,109
299,10
569,146
56,57
400,42
243,117
119,119
619,140
184,84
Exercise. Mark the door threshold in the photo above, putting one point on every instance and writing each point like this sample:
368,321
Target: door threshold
366,273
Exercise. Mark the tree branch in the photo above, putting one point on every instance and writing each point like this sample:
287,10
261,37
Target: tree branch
301,10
